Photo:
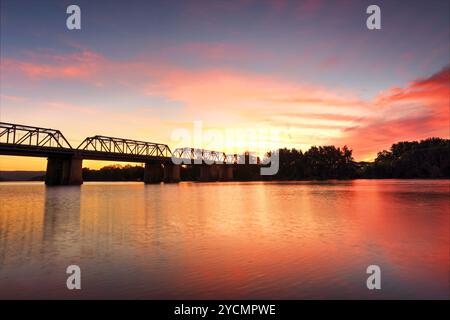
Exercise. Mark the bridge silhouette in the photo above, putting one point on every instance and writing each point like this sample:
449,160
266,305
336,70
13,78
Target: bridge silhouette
64,163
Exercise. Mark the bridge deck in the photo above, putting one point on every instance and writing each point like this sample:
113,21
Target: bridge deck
45,152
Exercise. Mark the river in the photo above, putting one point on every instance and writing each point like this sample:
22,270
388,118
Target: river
231,240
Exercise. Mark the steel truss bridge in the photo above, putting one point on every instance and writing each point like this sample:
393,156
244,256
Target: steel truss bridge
23,140
64,161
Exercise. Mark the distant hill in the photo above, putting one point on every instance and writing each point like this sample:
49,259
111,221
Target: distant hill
22,175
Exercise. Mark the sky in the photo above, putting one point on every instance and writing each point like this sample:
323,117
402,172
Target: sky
248,74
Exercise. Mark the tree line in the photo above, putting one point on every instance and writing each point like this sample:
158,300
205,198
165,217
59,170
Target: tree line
428,158
114,173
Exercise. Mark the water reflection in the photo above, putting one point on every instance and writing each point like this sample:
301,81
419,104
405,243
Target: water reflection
225,240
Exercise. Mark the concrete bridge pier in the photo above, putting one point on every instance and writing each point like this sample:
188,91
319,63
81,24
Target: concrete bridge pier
172,173
64,171
220,169
216,172
226,172
205,173
153,173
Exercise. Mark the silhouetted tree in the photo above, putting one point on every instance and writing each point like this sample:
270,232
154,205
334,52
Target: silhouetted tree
428,158
114,173
327,162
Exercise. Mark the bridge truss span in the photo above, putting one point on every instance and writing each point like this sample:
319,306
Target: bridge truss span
199,156
125,146
22,135
64,163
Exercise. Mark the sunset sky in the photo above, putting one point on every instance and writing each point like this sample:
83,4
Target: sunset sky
310,70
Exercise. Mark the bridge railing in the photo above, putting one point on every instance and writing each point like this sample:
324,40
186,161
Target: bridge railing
125,146
17,134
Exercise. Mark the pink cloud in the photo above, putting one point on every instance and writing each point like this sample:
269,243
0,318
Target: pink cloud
329,63
81,65
427,104
310,6
307,8
215,90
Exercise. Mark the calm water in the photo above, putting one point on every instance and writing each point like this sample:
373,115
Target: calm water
226,240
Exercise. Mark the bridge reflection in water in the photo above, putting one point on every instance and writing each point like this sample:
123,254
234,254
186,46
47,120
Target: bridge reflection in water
64,163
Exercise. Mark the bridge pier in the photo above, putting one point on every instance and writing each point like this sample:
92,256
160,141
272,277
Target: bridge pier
172,173
153,173
64,171
205,173
215,172
226,173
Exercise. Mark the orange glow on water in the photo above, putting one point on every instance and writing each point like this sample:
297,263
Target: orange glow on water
288,240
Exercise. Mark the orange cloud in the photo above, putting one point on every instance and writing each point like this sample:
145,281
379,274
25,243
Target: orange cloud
418,111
